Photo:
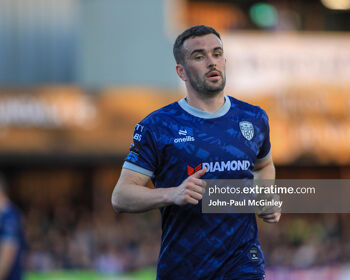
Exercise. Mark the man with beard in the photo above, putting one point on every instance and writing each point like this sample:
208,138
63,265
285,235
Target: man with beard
206,135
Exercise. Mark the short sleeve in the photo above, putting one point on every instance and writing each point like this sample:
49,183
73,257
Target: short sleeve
265,148
143,153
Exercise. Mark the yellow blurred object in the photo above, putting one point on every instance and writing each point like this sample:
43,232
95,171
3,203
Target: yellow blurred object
306,123
336,4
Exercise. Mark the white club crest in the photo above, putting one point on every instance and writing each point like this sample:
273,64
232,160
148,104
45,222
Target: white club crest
247,129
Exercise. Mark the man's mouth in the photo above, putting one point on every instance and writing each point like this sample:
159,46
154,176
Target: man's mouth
213,75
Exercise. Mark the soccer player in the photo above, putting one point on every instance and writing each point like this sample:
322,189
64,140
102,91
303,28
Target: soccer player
206,135
11,238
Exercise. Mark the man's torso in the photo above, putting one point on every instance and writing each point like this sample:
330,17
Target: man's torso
180,140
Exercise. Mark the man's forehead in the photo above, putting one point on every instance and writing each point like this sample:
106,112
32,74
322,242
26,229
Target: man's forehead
205,42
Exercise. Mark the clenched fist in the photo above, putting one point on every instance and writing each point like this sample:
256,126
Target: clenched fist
191,190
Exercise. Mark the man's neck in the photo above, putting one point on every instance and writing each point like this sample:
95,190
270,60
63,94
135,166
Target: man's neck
210,104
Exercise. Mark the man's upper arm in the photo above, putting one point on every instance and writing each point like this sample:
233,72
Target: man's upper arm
264,155
140,164
260,164
143,155
128,181
265,169
128,176
142,160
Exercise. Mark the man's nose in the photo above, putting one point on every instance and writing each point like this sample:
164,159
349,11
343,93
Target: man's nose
211,62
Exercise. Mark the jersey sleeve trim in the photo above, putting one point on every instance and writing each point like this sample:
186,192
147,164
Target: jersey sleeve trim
136,168
258,160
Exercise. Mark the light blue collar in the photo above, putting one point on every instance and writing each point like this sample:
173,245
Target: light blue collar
203,114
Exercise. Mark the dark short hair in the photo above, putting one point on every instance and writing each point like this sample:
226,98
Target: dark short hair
194,31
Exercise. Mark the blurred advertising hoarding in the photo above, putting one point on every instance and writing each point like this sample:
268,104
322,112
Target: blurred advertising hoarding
271,62
69,120
306,123
310,124
302,81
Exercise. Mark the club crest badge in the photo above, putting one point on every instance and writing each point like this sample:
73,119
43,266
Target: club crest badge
254,254
247,129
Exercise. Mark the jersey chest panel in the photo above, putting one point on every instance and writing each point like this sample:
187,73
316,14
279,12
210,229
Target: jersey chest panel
217,144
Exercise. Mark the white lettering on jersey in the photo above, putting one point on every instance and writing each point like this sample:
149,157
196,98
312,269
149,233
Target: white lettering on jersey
139,127
137,137
227,165
185,139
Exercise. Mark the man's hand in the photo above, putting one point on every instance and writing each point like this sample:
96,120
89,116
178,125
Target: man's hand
270,217
191,190
269,214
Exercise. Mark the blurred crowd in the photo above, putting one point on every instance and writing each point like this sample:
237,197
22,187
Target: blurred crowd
307,240
70,237
80,238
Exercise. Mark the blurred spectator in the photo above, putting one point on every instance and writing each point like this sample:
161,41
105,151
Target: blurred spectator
11,237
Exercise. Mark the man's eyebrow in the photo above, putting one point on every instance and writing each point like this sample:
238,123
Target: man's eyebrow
197,50
202,50
218,48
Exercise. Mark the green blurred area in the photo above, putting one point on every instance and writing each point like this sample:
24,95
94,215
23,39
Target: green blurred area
146,274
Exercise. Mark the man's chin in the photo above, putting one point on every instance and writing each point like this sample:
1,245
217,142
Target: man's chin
211,92
215,89
209,89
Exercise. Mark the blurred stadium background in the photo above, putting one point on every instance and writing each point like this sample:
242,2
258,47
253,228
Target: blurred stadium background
77,75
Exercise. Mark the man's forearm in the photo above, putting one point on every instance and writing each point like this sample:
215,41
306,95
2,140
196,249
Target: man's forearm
133,198
131,194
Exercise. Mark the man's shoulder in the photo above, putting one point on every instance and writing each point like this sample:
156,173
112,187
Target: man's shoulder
157,116
246,107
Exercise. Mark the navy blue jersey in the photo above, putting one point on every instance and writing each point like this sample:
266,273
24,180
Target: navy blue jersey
11,231
174,142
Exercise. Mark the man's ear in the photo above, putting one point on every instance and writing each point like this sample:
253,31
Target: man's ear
180,70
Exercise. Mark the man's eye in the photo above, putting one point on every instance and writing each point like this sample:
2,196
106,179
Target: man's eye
199,57
217,54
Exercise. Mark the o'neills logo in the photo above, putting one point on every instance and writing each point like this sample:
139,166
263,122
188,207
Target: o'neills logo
220,166
184,139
